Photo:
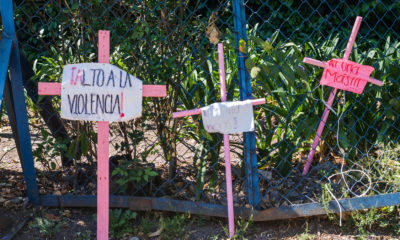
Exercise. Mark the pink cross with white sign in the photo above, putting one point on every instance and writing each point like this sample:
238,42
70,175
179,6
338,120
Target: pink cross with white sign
340,74
82,104
226,138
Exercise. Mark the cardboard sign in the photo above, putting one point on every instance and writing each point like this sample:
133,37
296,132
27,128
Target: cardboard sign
346,75
228,117
99,92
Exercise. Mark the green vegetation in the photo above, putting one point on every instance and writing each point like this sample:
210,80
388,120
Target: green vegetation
48,228
121,222
147,224
293,103
83,235
386,168
47,224
174,227
166,43
164,53
241,228
368,221
306,235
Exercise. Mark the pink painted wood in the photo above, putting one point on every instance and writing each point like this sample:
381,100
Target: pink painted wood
104,46
352,38
47,88
52,88
323,64
228,173
197,111
221,65
314,62
103,196
154,91
325,115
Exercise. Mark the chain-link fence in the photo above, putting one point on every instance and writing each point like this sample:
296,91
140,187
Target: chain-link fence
159,42
172,43
357,155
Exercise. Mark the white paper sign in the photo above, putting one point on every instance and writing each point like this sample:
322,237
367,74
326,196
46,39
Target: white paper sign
99,92
228,117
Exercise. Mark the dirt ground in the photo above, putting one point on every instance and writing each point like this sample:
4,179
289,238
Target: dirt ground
19,219
79,223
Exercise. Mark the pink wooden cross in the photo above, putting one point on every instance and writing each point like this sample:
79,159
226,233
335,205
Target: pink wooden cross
46,88
226,138
342,74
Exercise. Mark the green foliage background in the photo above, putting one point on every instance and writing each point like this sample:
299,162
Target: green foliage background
165,42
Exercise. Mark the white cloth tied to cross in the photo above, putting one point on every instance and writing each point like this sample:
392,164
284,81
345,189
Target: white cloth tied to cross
228,117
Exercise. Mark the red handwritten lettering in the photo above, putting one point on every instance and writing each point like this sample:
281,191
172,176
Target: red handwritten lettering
72,75
346,75
78,76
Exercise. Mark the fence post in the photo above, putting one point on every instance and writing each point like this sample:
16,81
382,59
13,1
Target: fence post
250,155
15,101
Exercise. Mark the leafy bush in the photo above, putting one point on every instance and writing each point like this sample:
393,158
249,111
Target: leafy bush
367,221
174,227
288,120
120,222
47,227
165,43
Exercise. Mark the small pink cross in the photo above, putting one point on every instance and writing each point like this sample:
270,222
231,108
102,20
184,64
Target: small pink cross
342,74
226,138
103,137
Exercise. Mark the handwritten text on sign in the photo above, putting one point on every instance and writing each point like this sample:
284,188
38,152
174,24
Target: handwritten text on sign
99,92
228,117
346,75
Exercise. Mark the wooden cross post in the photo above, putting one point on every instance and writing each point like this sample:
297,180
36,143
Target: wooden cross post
340,74
226,138
103,135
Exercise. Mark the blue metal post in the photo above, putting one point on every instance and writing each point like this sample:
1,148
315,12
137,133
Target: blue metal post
5,51
21,129
250,155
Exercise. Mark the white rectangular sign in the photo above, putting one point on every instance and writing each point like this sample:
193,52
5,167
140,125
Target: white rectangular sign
228,117
99,92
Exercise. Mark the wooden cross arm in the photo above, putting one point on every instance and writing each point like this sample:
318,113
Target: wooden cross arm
51,88
323,64
198,110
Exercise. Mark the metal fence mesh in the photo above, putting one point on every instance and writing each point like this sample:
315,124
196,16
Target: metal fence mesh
362,130
160,43
169,42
